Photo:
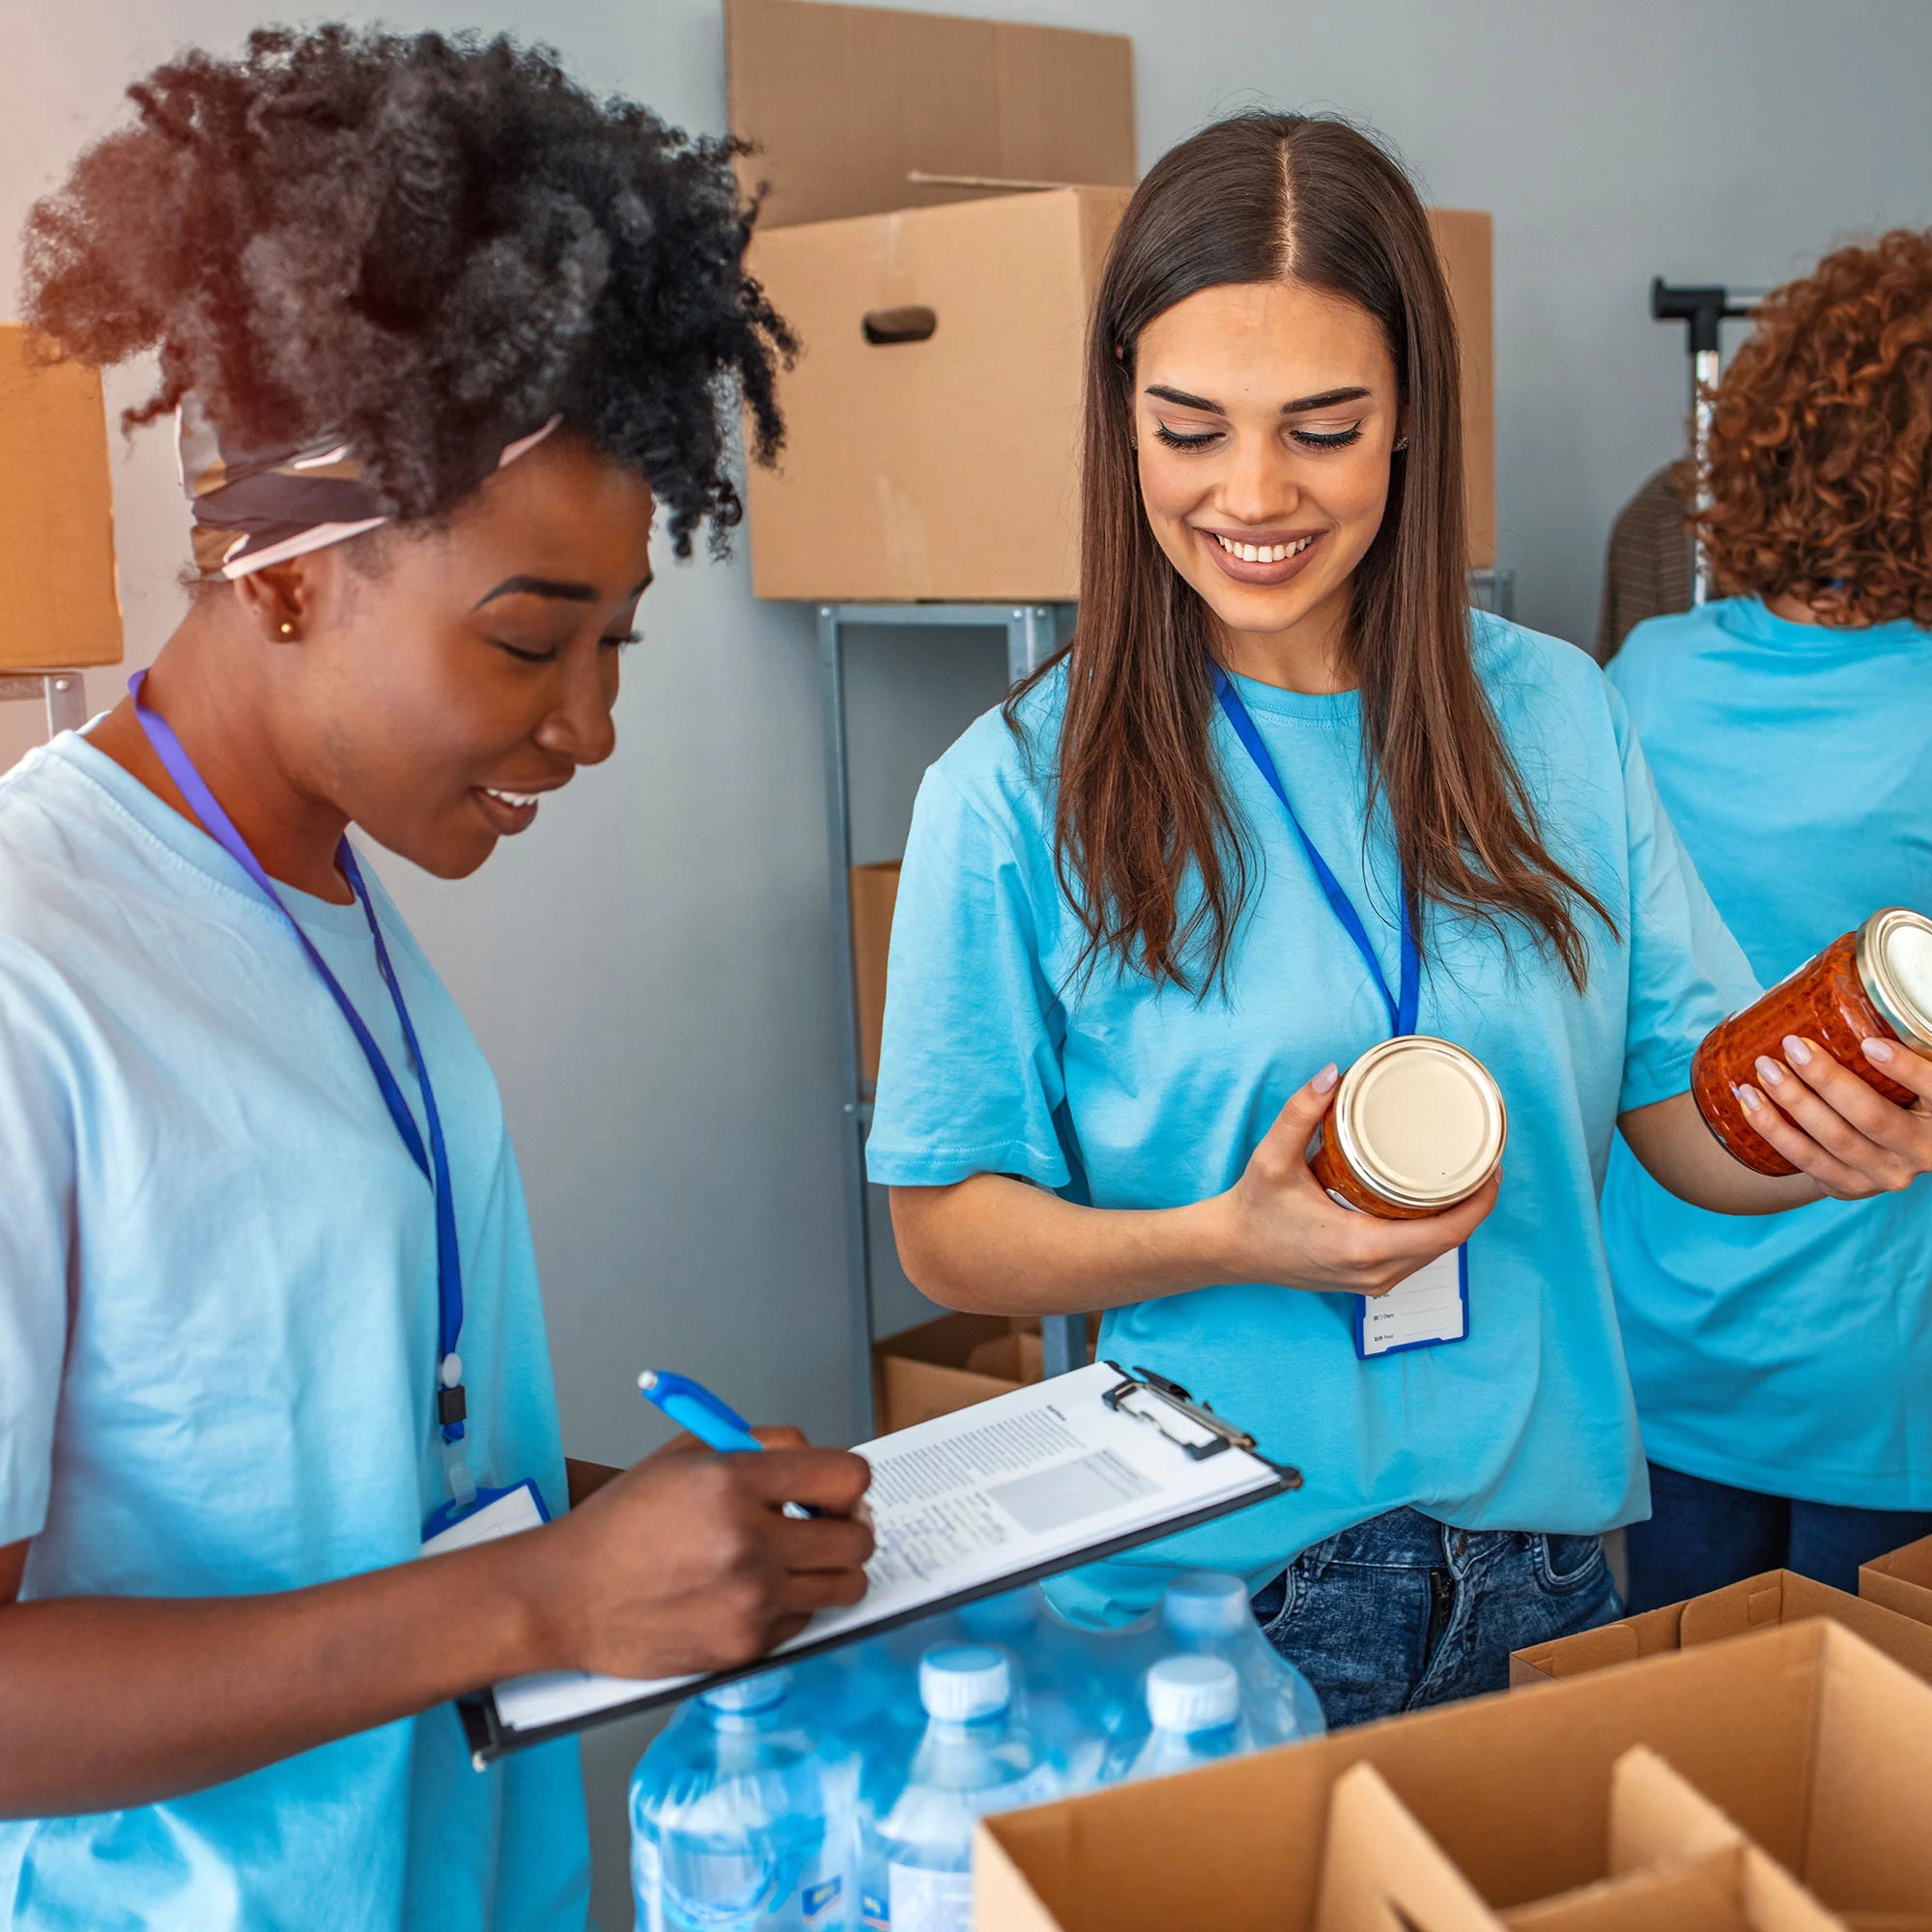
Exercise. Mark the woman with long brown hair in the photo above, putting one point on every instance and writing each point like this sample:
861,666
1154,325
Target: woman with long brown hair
1283,796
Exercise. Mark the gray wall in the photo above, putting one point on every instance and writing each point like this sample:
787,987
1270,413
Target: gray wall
651,969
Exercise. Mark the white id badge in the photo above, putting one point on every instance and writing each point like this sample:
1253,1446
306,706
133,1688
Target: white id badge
494,1513
1428,1309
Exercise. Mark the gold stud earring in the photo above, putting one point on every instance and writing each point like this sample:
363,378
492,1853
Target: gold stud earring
288,630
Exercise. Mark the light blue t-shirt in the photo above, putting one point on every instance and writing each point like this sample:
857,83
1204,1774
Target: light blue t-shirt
218,1331
997,1060
1789,1354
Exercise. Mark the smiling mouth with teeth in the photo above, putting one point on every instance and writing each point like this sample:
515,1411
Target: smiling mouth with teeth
1261,552
521,801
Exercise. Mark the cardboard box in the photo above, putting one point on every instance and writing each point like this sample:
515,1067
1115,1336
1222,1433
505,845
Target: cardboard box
1902,1581
60,606
932,424
847,103
1672,1859
943,467
1778,1596
875,892
956,1361
1816,1747
946,1365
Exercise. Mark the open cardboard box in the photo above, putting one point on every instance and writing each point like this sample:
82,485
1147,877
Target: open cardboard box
1778,1596
942,193
953,1362
1902,1581
58,607
1816,1747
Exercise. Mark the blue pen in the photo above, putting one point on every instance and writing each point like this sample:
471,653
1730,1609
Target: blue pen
714,1422
693,1407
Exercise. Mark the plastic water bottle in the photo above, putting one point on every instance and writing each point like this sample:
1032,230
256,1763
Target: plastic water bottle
738,1822
1206,1614
916,1819
1194,1714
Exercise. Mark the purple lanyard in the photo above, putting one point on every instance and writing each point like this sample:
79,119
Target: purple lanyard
434,1164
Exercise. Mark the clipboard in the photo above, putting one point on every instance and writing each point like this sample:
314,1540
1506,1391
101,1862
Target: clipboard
1126,1456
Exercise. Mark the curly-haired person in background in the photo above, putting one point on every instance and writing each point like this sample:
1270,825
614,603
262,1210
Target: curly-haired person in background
441,332
1783,1367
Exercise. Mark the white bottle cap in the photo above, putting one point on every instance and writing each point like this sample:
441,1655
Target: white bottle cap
1207,1603
749,1693
1193,1693
961,1682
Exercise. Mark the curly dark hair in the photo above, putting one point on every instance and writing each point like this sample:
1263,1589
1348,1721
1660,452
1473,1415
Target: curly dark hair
426,244
1819,468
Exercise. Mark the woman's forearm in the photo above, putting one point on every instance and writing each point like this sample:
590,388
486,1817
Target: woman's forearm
998,1246
1679,1152
108,1702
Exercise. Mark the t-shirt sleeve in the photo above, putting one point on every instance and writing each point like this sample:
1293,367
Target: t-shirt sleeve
1686,973
969,1068
37,1158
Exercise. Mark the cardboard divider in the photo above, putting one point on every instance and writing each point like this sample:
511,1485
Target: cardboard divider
1777,1597
1673,1859
1816,1747
1902,1581
60,608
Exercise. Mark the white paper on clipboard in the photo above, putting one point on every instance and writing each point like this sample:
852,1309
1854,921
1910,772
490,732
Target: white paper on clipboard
1026,1483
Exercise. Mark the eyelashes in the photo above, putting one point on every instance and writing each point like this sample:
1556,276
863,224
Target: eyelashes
1307,439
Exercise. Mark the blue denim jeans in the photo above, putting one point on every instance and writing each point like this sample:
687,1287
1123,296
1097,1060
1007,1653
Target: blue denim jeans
1702,1535
1402,1611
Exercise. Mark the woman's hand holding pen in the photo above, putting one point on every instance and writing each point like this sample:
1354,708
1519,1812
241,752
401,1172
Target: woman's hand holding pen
687,1561
1277,1225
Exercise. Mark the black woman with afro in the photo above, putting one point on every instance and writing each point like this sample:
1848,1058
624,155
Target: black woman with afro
440,335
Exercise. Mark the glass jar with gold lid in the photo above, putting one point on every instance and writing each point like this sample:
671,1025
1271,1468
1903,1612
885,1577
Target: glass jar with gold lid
1871,983
1417,1126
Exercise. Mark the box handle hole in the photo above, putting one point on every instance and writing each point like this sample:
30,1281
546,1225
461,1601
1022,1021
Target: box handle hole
883,325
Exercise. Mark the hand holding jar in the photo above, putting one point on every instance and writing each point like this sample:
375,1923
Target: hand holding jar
1830,1074
1283,1221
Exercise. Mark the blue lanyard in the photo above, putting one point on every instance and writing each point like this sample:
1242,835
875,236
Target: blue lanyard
434,1164
1401,1007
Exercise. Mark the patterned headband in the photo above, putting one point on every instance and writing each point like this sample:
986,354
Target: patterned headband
253,508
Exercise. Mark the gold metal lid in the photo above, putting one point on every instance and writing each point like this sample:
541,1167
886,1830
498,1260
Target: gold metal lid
1894,958
1421,1120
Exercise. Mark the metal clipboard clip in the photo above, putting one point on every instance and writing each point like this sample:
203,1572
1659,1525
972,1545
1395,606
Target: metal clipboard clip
1190,1426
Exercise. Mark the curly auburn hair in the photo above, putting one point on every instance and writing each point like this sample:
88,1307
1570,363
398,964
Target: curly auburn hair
425,244
1819,466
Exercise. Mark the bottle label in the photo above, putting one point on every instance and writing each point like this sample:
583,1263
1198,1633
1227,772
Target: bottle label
873,1912
818,1900
929,1901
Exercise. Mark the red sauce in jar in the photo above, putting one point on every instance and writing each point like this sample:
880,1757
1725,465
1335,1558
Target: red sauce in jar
1867,985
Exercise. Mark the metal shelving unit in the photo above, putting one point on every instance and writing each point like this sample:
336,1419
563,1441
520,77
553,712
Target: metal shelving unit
1030,630
62,692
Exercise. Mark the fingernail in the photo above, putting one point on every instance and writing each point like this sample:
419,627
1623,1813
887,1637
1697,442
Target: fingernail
1769,1071
1880,1050
1326,1078
1796,1051
1752,1097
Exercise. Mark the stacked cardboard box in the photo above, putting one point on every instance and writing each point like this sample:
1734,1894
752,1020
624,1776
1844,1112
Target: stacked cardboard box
941,196
1781,1780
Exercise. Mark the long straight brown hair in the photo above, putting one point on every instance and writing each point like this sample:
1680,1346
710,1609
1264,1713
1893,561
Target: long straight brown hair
1259,198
